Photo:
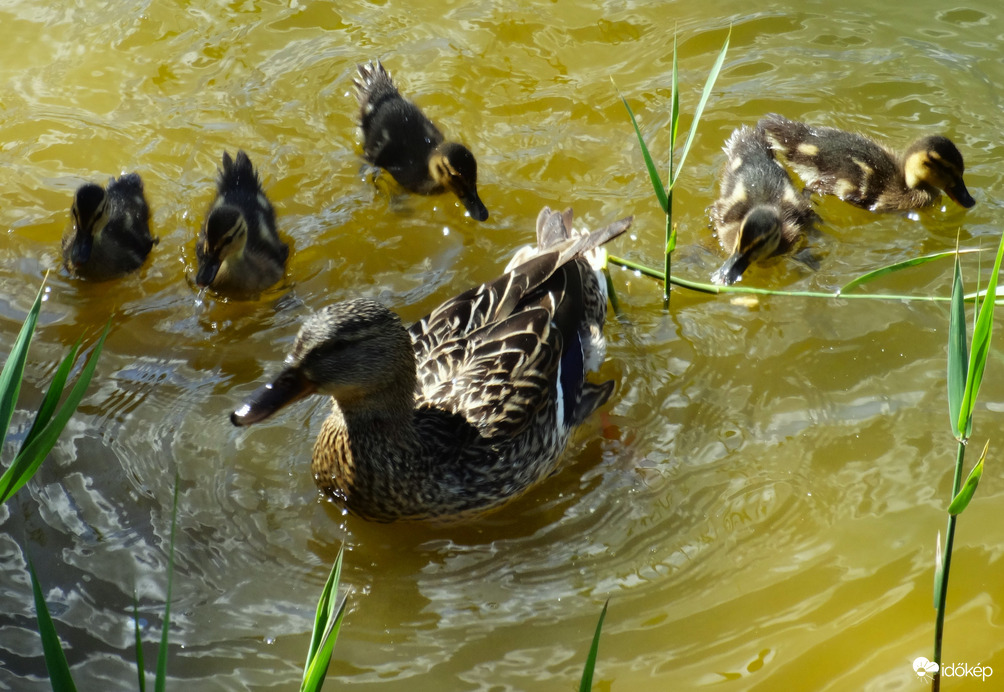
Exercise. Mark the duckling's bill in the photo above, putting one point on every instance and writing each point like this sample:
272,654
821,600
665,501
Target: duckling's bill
959,194
288,387
473,204
732,270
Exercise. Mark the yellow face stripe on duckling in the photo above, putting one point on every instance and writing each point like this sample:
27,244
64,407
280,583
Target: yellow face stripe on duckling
93,224
807,149
231,240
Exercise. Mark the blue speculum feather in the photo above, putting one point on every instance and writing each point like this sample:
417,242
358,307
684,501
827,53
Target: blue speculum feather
571,375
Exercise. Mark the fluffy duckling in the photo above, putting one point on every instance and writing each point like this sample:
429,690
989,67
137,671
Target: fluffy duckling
866,173
109,235
239,251
473,404
760,212
400,139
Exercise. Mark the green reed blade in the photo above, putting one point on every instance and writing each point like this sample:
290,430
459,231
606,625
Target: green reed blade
52,395
708,86
327,623
958,354
615,303
32,455
653,172
13,369
55,659
962,500
939,570
980,349
140,665
160,681
899,266
587,674
674,119
317,669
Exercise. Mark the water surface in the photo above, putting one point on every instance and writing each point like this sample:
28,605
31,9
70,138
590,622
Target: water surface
761,497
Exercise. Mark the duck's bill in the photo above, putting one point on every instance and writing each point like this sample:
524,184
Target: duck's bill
731,271
288,387
475,207
80,251
206,273
960,195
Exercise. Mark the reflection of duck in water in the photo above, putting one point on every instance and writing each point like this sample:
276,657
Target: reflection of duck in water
109,235
400,139
473,404
865,173
759,213
239,251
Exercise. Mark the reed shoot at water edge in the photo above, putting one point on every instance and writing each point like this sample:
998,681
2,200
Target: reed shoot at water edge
965,374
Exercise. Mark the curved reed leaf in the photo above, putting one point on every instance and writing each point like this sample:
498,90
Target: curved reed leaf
587,674
35,450
965,495
708,86
958,351
55,659
653,172
13,369
140,666
899,266
160,681
327,625
980,350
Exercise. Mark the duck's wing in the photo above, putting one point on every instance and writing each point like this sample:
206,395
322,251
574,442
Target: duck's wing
492,354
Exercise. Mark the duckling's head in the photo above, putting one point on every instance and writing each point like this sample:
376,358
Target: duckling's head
89,217
225,233
357,352
453,166
759,237
937,163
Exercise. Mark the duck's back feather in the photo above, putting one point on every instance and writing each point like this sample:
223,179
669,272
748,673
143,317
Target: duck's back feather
493,353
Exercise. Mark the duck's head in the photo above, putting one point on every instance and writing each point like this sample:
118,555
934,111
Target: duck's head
225,233
453,166
936,162
759,237
89,218
357,352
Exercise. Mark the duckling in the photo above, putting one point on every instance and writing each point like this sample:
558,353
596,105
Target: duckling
109,235
400,139
473,404
239,250
760,212
866,173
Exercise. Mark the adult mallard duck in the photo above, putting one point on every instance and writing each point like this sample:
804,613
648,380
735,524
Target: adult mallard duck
470,406
760,213
239,250
400,139
109,233
866,173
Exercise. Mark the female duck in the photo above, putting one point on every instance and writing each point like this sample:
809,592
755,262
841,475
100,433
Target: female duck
473,404
239,251
865,173
400,139
109,235
760,213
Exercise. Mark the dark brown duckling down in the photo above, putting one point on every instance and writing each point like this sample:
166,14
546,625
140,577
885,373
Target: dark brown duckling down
400,139
865,173
109,233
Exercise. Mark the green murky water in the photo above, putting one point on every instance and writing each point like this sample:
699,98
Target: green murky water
759,501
